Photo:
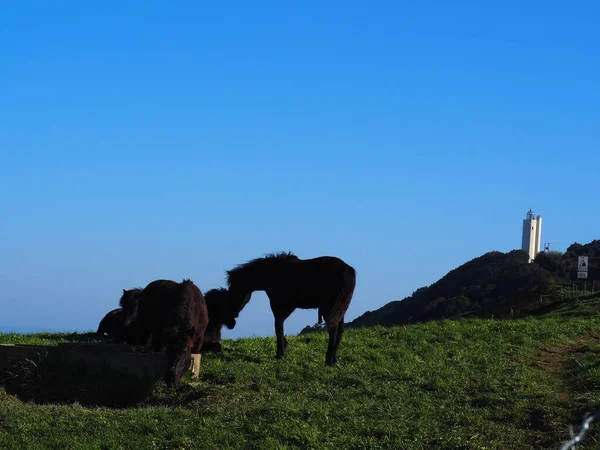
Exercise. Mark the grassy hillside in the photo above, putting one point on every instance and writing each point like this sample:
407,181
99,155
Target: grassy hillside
463,384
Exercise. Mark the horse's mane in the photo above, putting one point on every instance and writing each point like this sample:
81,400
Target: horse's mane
259,264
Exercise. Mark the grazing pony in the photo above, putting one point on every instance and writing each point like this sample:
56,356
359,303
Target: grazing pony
325,282
113,325
172,317
216,303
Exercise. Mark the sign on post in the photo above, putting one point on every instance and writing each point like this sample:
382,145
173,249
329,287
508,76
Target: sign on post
582,267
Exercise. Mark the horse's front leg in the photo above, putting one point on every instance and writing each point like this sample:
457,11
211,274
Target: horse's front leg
281,310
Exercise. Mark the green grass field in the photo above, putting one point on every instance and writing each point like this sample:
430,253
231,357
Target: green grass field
467,384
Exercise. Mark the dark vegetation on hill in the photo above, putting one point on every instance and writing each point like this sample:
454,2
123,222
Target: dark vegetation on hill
495,284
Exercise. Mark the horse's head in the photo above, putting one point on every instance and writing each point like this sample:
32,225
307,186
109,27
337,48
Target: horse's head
129,304
237,298
179,357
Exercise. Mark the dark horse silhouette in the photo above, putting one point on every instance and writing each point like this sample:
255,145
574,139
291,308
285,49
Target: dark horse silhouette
113,325
216,303
129,332
325,282
171,317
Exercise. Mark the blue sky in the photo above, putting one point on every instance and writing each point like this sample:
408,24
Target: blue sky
146,140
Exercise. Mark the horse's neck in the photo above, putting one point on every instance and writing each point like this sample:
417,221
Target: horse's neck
262,278
259,283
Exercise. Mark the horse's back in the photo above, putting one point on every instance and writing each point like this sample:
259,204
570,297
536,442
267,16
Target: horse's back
313,283
326,261
161,288
323,271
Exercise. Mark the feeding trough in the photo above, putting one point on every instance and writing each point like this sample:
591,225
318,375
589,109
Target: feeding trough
121,358
90,372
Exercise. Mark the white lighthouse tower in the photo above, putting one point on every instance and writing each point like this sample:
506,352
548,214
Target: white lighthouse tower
532,234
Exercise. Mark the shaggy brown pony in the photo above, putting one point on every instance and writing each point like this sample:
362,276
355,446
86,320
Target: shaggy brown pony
326,283
172,317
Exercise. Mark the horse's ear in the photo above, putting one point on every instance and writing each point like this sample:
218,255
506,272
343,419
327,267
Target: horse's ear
124,291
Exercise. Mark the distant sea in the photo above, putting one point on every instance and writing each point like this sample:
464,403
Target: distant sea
32,330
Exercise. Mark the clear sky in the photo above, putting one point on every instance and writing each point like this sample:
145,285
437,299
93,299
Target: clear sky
145,140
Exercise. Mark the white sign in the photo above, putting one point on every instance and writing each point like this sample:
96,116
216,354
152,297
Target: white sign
582,264
582,275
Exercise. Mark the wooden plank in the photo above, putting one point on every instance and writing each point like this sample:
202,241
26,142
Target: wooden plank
196,357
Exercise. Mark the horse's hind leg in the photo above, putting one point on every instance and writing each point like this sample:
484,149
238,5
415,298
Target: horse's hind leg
281,341
338,338
330,357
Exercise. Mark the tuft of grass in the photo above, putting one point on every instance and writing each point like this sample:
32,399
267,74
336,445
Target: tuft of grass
49,338
463,384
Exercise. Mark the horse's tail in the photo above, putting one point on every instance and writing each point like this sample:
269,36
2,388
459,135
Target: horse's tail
195,300
188,288
342,301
